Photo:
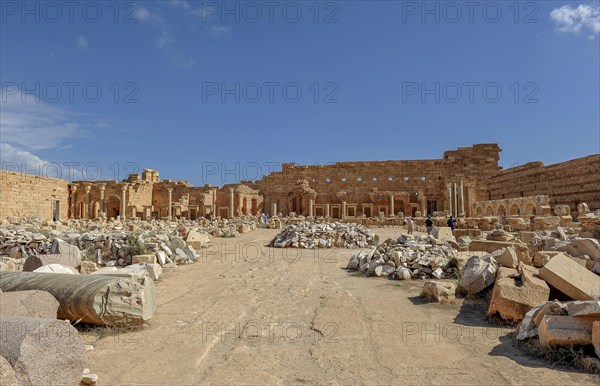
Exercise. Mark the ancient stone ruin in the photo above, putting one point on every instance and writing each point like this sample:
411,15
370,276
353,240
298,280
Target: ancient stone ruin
524,239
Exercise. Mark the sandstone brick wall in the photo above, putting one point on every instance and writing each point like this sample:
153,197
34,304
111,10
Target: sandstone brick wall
27,195
567,183
411,183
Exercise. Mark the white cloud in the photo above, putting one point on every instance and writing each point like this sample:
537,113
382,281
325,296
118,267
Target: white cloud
145,16
164,39
217,30
34,124
180,4
11,154
574,20
28,125
82,42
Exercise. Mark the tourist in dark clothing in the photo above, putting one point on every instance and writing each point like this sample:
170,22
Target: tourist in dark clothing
429,225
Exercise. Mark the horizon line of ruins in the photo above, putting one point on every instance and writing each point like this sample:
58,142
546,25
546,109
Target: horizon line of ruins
466,182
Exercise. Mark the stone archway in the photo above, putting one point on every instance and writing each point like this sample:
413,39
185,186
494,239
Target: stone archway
479,212
530,209
501,211
489,211
113,206
515,210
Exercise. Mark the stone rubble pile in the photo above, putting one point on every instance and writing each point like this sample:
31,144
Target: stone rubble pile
407,257
21,249
324,235
556,323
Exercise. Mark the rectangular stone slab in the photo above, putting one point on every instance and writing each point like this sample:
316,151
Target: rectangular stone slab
571,278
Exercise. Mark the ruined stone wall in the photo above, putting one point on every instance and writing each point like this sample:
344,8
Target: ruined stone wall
187,200
566,183
27,195
412,185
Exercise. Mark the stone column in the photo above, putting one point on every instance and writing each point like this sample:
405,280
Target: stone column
102,203
391,205
449,198
327,210
273,208
454,200
73,201
461,199
423,202
213,205
123,201
231,202
88,207
310,207
344,209
170,207
469,200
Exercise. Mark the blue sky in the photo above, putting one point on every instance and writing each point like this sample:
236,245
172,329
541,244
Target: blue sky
213,92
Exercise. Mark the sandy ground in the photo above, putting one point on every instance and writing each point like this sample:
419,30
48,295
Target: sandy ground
248,314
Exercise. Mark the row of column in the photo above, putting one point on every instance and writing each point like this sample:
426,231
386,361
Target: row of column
89,213
456,199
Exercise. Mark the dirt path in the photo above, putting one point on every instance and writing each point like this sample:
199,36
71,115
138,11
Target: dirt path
247,314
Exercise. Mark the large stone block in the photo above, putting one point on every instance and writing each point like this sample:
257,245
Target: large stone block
565,330
506,257
442,233
33,304
60,247
590,308
441,292
42,351
571,279
150,259
515,294
196,239
579,247
542,257
68,260
478,273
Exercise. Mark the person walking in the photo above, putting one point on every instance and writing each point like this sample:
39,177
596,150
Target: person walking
429,225
451,223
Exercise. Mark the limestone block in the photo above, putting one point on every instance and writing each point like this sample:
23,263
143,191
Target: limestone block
60,247
515,294
42,351
136,259
571,279
478,273
506,257
549,308
442,233
196,239
34,262
34,304
565,330
440,292
589,308
542,257
526,236
578,247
